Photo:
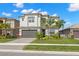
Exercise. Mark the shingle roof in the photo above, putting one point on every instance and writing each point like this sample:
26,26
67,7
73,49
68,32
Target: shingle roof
75,26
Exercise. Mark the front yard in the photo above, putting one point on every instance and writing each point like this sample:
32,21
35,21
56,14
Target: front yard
54,39
53,48
4,39
57,41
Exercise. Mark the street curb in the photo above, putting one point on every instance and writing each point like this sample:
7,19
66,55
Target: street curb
39,44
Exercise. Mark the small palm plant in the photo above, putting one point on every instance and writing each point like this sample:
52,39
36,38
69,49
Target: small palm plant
52,23
49,24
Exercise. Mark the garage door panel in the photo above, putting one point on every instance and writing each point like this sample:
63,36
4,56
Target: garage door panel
29,33
76,33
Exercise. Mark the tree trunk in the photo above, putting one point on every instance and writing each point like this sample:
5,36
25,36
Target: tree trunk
49,31
49,34
58,33
5,33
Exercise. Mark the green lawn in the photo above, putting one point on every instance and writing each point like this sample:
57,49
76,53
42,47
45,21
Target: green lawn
6,40
51,48
54,48
57,41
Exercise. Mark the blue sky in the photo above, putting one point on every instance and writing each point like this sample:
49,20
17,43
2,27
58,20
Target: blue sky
66,11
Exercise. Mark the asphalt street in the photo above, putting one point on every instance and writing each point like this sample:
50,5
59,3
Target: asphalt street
32,54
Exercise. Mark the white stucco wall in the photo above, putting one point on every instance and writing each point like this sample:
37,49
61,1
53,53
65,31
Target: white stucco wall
38,30
25,23
56,31
20,32
51,30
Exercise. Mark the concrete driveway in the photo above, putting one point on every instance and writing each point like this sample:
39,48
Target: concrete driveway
22,40
18,41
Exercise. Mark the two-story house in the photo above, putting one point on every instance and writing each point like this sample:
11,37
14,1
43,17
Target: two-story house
31,23
14,26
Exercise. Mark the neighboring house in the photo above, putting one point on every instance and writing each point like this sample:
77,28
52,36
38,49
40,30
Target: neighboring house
72,30
32,23
14,26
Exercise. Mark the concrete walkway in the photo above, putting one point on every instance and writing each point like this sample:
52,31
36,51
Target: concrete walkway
17,41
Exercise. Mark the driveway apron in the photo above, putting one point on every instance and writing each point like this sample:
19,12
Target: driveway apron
18,41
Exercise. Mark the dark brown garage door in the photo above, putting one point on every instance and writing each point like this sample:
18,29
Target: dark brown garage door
29,33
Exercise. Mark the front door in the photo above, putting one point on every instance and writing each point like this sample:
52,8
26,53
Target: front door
43,31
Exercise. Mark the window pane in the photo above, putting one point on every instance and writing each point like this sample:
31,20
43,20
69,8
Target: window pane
31,19
22,18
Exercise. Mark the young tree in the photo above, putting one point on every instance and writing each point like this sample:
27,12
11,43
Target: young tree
53,23
59,24
49,24
4,26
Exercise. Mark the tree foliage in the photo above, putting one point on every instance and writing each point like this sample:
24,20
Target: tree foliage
4,26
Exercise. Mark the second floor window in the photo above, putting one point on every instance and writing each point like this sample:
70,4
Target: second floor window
31,19
22,18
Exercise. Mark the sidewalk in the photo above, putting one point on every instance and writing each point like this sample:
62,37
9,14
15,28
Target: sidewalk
28,43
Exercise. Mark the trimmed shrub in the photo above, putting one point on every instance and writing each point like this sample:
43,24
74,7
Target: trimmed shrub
46,38
6,37
72,37
2,37
39,35
9,36
56,36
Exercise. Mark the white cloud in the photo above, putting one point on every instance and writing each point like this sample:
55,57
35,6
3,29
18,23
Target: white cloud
39,10
74,7
44,13
19,5
67,24
6,14
15,10
25,11
36,11
54,14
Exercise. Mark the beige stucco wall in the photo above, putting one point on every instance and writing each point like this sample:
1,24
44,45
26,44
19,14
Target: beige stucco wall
12,23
